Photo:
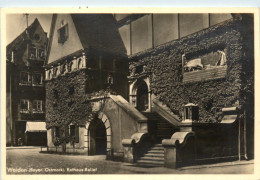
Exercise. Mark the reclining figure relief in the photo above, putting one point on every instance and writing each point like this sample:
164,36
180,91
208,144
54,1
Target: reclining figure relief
196,64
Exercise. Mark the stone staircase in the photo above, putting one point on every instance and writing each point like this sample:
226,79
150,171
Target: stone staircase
160,129
153,157
158,126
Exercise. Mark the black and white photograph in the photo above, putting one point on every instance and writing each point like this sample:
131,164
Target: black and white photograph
129,93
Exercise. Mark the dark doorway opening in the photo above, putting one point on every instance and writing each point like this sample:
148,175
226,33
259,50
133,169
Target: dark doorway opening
142,96
21,138
36,138
97,138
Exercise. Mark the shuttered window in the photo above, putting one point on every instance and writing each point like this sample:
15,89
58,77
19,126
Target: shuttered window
74,132
63,34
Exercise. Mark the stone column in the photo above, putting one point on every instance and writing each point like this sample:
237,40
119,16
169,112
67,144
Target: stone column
75,63
131,145
52,69
66,67
128,150
58,71
170,156
84,60
46,74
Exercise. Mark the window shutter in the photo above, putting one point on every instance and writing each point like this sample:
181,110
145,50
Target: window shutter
59,37
77,134
66,32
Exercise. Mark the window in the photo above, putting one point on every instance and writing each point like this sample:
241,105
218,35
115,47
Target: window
41,54
56,132
36,53
50,74
191,112
24,105
33,53
37,106
63,34
70,66
24,78
55,74
37,79
62,69
37,37
80,63
74,132
110,79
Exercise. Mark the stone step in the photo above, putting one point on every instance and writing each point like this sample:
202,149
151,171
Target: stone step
154,155
157,151
150,163
157,148
152,158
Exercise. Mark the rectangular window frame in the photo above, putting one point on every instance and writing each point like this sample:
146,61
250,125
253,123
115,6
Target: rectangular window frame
41,54
24,101
25,82
62,38
74,133
33,56
57,132
37,106
33,79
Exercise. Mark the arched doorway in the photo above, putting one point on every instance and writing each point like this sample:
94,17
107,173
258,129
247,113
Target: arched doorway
142,96
97,137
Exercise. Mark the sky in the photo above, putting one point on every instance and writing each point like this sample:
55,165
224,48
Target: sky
16,24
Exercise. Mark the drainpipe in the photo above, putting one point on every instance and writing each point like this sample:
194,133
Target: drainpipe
245,148
11,112
239,134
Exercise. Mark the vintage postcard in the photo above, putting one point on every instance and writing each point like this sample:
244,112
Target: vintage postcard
124,91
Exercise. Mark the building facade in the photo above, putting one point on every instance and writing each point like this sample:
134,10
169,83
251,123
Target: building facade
152,89
25,95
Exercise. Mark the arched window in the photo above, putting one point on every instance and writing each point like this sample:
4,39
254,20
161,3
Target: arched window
80,63
70,66
50,74
140,92
55,74
110,79
62,69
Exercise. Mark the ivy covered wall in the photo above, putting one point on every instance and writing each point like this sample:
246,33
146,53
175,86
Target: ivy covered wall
66,100
70,97
164,68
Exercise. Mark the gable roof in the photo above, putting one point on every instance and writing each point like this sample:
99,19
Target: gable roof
99,31
95,31
25,36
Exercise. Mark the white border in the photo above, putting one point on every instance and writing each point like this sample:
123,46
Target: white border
128,10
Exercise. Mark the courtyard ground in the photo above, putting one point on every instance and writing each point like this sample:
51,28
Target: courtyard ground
28,160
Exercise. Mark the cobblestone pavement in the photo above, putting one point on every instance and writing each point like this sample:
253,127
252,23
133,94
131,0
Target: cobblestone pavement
28,160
